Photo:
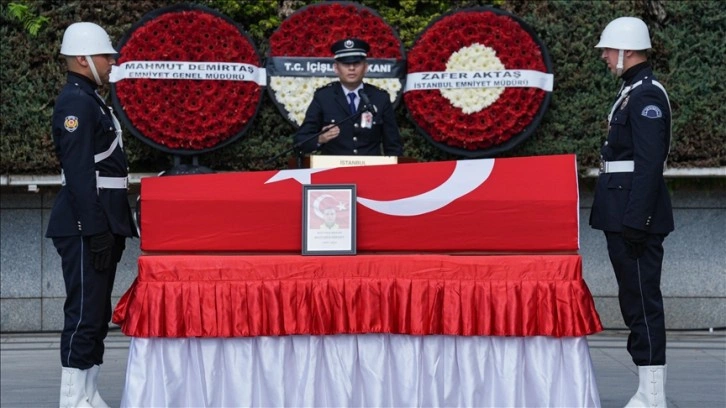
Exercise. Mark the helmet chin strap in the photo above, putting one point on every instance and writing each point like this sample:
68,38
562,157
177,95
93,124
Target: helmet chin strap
93,70
618,68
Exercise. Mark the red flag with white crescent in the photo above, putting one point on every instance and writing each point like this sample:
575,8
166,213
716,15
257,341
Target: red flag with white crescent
527,204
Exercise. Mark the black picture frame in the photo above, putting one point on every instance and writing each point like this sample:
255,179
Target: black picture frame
329,219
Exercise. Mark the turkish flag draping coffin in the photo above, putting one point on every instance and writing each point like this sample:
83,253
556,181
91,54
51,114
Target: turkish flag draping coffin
527,204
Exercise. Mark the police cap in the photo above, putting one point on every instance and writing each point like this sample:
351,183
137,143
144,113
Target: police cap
350,50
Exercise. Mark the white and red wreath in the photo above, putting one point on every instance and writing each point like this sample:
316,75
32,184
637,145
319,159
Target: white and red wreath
300,60
478,81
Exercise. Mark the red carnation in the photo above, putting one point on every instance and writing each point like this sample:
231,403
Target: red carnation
176,114
497,123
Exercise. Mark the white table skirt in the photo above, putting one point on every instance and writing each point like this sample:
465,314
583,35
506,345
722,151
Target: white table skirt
367,370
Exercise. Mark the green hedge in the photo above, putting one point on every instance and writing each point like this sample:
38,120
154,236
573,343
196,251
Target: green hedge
689,42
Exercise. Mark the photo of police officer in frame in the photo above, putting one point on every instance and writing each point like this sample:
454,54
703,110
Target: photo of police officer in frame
329,219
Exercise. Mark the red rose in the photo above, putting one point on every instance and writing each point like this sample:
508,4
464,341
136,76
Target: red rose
500,121
176,114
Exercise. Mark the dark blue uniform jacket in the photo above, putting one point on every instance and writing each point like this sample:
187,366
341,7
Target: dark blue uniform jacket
639,131
330,104
82,128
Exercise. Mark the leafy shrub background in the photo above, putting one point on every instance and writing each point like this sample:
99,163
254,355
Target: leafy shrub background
689,39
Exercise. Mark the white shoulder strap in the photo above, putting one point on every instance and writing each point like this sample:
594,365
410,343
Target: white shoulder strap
670,113
118,141
624,91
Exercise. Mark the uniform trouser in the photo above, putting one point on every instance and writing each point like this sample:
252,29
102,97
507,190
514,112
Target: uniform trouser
87,308
641,301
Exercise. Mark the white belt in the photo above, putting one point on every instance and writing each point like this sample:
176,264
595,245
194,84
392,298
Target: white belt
112,182
105,182
623,166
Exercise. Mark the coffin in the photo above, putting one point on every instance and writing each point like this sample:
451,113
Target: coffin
510,205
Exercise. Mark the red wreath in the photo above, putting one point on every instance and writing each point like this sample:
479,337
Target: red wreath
302,35
187,116
513,111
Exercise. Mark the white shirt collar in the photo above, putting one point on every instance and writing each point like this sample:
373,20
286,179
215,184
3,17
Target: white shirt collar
346,91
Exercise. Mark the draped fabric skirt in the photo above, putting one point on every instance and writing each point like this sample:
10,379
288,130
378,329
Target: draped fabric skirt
361,331
364,370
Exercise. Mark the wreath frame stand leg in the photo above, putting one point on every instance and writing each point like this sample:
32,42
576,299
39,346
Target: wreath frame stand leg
180,168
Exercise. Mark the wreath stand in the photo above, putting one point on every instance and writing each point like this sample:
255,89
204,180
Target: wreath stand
180,168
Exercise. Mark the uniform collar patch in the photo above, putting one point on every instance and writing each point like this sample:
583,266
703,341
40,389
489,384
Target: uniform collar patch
71,123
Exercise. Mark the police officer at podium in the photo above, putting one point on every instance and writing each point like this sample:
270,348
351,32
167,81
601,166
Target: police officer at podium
91,216
631,204
371,131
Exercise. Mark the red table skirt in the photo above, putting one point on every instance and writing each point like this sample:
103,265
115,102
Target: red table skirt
265,295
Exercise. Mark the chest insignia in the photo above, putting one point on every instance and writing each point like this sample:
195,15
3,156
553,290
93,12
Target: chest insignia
652,112
625,102
71,123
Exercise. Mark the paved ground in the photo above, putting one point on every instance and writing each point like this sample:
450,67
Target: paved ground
30,372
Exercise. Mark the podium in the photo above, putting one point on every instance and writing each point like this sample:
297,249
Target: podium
329,161
467,291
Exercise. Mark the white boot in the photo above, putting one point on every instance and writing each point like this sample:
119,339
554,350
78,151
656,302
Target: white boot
92,388
73,388
651,388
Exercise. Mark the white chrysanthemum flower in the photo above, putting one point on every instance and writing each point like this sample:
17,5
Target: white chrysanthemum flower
296,93
456,99
390,85
475,57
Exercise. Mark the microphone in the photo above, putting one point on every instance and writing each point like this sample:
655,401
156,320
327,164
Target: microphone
367,105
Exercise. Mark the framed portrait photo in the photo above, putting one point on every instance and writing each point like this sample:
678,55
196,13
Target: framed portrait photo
329,219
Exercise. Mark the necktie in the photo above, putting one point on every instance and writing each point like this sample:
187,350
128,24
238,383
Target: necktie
351,104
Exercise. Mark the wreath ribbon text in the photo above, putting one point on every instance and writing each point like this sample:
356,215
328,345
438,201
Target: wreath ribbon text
510,78
219,71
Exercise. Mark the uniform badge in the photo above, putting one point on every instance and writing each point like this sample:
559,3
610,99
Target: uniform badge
625,102
652,112
366,120
71,123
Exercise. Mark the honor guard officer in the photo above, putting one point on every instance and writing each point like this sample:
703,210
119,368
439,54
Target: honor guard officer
91,217
631,203
365,134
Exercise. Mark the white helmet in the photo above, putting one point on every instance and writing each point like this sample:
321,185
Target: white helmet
625,33
86,39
